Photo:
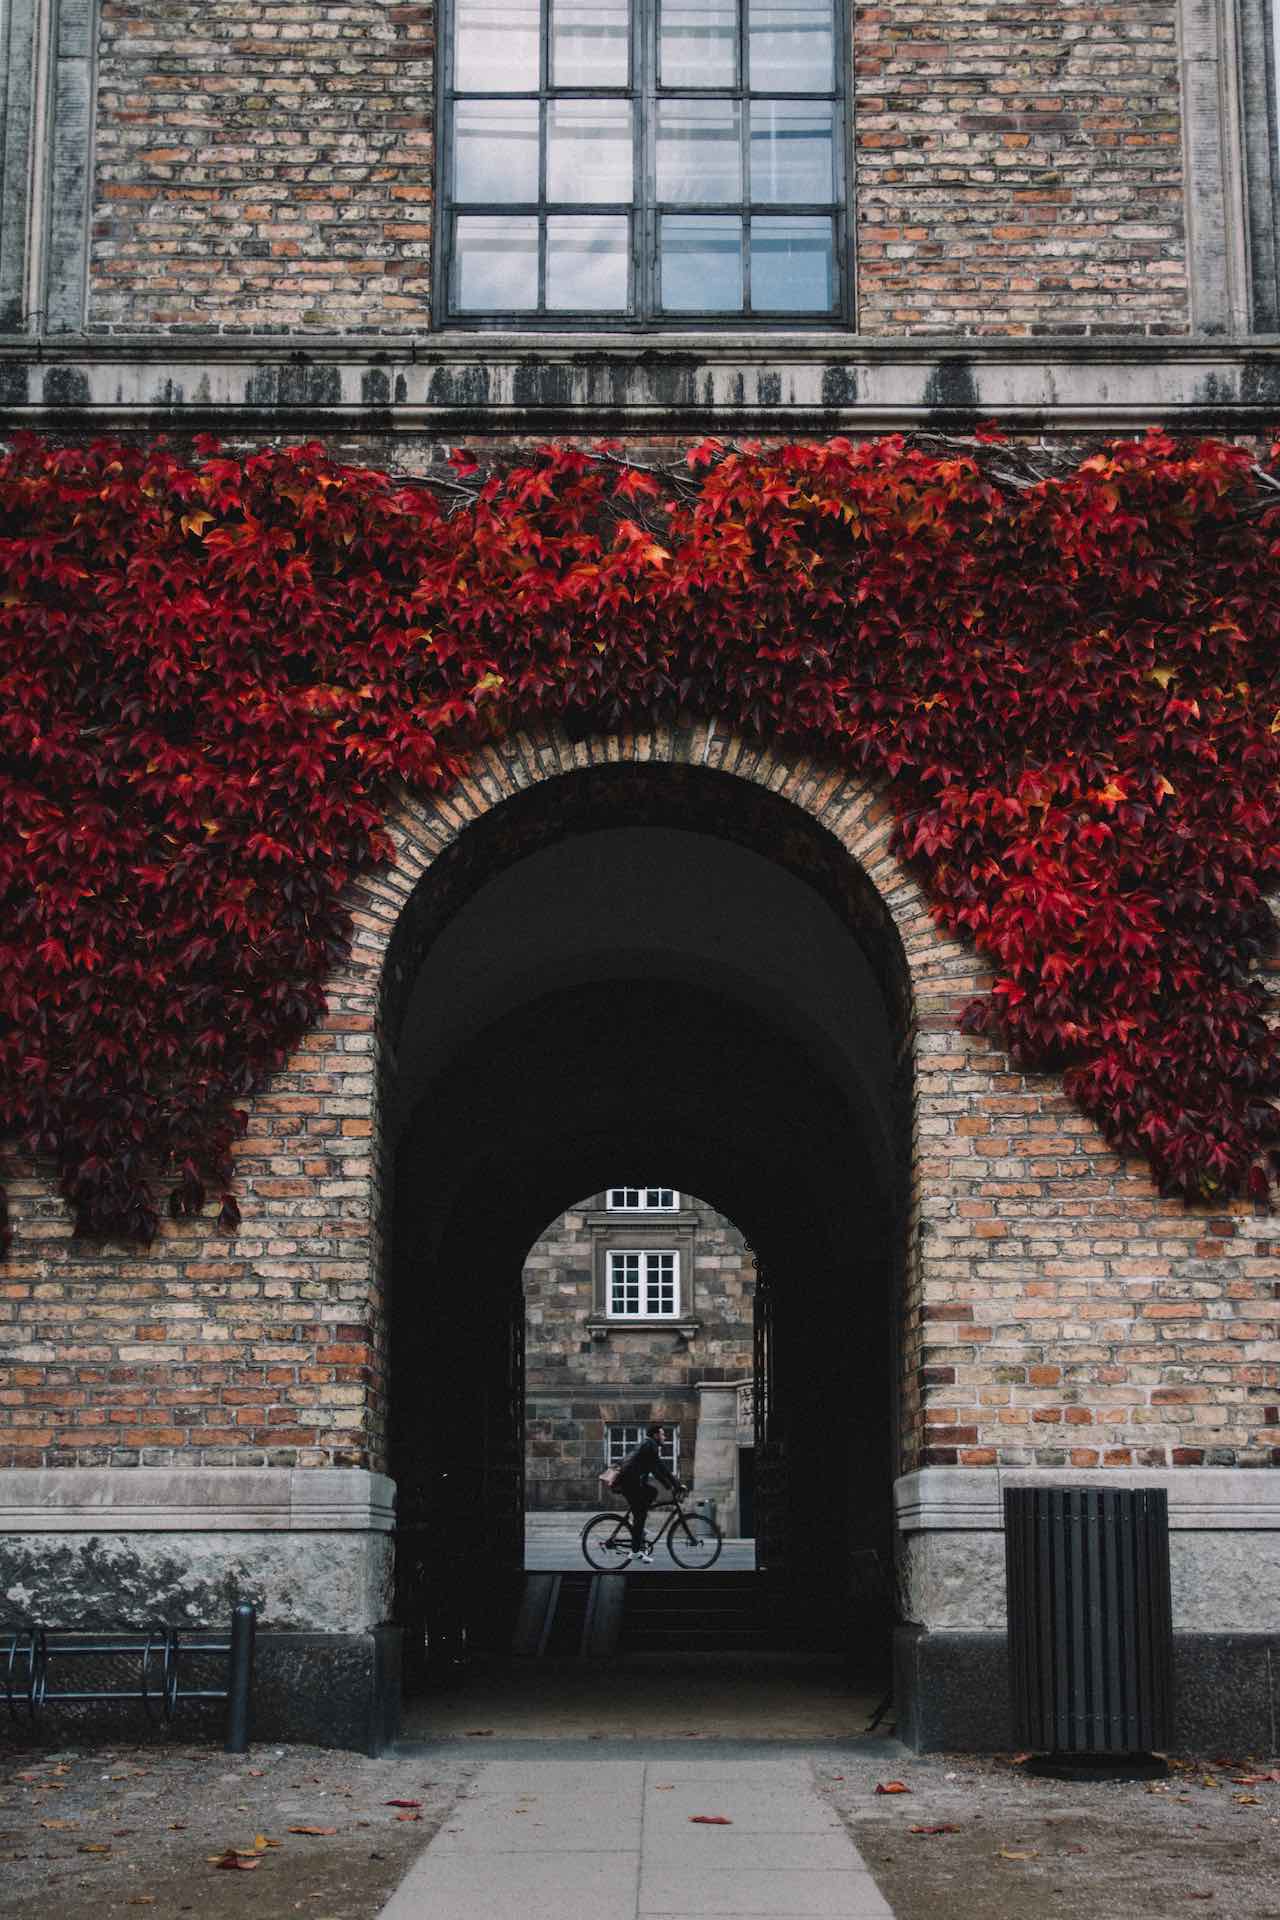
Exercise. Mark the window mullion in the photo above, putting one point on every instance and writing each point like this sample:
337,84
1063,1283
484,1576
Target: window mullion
744,142
645,92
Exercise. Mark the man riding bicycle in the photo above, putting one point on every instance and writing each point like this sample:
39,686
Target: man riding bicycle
635,1483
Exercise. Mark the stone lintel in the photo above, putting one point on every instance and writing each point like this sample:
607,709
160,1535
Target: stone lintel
496,383
195,1500
1201,1499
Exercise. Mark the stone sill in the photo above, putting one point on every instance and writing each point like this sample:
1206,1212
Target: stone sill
601,1329
639,1222
460,384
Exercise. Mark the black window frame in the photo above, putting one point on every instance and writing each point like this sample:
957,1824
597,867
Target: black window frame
645,211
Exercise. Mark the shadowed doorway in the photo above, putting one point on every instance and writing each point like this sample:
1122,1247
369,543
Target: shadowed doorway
639,967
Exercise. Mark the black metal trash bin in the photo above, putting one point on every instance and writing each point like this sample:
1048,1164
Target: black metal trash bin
1090,1619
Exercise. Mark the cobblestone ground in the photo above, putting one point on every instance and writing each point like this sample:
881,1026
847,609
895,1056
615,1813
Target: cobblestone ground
121,1830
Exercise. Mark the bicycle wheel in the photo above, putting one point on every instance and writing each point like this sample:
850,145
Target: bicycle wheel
694,1541
606,1542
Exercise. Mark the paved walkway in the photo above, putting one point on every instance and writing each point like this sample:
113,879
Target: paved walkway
620,1840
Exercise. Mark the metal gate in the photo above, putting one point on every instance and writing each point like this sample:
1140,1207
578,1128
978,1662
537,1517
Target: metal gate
772,1505
460,1501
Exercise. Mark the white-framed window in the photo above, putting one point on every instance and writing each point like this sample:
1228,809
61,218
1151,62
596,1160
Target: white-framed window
622,1441
642,1284
643,1200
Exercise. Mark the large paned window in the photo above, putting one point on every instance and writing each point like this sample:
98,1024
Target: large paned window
677,162
643,1285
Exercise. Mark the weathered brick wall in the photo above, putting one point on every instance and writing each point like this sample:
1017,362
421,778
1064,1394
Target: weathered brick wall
269,165
1019,167
1056,1310
263,165
577,1385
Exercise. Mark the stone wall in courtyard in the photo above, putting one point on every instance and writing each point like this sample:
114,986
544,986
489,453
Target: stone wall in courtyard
584,1373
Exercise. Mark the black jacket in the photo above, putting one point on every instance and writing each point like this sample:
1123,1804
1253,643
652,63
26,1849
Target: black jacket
635,1472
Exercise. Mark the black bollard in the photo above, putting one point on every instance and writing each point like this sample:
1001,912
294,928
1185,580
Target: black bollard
239,1677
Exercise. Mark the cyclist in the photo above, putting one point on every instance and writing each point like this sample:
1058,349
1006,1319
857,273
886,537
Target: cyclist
635,1483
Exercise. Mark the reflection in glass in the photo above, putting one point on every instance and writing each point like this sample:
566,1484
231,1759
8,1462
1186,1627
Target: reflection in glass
791,45
698,151
495,150
589,43
792,264
791,151
587,256
697,43
589,153
495,46
495,263
701,263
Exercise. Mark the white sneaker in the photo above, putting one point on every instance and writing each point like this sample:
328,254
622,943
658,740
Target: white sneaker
647,1558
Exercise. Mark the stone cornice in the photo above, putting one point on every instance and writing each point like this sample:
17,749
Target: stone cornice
971,1499
195,1500
516,383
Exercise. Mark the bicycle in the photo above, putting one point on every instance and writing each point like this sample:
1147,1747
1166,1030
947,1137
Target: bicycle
693,1539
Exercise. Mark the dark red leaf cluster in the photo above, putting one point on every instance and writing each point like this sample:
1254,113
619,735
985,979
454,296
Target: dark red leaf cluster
211,674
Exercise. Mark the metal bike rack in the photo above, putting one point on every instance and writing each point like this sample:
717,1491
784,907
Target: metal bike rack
28,1652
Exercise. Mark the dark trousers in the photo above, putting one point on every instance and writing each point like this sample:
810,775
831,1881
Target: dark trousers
639,1499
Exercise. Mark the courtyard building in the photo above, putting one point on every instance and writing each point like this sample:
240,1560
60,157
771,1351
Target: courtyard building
660,945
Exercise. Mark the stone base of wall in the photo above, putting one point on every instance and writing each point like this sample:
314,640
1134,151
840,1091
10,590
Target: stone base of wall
99,1547
327,1689
951,1692
1224,1544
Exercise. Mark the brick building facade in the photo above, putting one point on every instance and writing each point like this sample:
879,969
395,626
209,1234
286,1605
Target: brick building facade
636,1312
236,215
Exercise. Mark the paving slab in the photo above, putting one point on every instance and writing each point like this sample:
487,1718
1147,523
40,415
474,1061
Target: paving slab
537,1886
621,1840
774,1891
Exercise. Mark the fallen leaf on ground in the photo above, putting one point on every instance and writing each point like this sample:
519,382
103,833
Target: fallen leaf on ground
1020,1759
94,1846
478,1733
402,1803
261,1843
892,1786
933,1829
59,1823
418,1816
142,1900
665,1788
313,1829
710,1820
1246,1799
256,1773
1012,1853
177,1826
1197,1896
1254,1779
236,1862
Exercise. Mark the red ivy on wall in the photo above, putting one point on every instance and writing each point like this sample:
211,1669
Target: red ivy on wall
211,673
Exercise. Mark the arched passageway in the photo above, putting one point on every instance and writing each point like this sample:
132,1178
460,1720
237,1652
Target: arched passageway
626,969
